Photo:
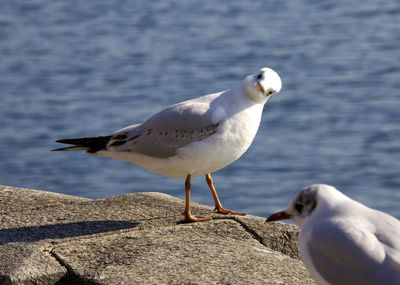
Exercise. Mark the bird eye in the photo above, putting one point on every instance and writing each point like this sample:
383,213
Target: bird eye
299,207
259,76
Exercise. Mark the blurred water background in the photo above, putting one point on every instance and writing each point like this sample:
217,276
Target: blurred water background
87,68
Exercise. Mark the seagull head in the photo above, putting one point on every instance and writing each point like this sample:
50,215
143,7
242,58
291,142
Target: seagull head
307,204
260,86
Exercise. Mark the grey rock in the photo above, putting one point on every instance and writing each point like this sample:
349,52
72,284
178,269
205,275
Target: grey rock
27,263
49,238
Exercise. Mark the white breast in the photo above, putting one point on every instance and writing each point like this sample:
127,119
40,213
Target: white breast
304,238
233,138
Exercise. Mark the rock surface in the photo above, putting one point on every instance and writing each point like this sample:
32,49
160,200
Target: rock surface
139,238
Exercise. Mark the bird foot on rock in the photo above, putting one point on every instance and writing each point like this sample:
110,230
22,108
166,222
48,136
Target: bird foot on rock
226,212
189,218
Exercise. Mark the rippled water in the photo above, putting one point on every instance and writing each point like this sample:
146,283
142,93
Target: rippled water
83,68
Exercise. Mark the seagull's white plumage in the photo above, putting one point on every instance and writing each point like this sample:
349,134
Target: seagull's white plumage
342,241
195,137
198,136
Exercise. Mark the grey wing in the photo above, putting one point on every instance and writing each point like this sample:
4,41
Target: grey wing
168,130
346,253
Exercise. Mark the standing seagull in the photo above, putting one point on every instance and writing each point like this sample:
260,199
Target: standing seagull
342,241
192,138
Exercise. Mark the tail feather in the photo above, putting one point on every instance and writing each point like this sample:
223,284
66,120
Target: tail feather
70,148
90,144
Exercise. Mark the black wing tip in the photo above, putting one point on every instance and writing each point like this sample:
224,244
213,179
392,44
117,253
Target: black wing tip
90,144
66,141
58,149
70,141
74,147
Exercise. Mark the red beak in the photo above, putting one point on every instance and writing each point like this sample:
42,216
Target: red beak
278,216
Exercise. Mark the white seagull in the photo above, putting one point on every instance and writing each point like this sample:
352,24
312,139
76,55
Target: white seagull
342,241
192,138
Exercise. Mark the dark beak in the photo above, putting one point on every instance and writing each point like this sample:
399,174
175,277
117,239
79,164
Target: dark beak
260,88
278,216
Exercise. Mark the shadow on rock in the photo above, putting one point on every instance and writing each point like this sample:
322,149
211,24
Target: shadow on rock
58,231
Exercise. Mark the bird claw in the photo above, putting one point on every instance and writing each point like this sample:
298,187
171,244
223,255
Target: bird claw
189,218
226,212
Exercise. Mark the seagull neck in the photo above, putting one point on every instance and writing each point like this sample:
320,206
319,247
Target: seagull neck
237,98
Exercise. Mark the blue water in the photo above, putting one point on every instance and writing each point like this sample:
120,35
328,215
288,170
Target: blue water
87,68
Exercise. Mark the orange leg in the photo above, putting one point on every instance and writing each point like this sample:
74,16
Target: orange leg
188,216
218,206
